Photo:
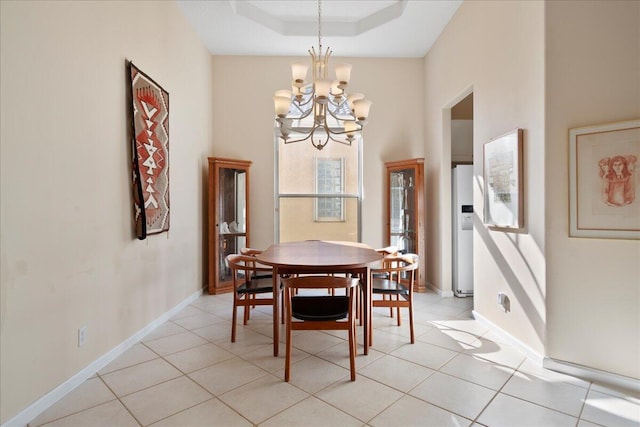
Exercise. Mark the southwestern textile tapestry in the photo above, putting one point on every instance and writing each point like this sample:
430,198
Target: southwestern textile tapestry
150,144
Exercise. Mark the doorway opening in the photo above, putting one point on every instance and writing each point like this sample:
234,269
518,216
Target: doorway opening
462,209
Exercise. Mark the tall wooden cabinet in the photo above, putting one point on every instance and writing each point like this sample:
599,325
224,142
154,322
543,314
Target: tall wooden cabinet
406,211
228,218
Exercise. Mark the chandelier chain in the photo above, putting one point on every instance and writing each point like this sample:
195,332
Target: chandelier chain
320,25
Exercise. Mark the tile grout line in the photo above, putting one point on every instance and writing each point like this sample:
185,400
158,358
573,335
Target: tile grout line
497,393
584,403
120,401
547,407
213,396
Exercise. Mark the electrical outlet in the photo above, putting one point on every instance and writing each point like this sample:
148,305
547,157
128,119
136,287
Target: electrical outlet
504,301
82,336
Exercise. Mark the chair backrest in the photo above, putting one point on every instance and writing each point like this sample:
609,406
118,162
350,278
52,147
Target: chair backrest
250,251
407,262
388,250
247,264
319,307
393,266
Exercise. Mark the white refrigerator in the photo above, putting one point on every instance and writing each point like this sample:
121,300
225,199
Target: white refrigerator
462,223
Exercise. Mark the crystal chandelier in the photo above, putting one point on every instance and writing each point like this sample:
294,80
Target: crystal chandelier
322,97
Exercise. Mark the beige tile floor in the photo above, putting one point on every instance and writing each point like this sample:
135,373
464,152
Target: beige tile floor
187,373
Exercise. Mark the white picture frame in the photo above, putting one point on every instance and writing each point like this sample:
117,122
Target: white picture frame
604,183
503,186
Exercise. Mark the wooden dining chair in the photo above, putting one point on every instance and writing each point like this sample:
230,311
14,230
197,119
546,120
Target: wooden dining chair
394,282
255,252
250,280
391,250
320,312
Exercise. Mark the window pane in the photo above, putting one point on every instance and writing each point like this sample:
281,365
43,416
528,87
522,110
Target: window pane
297,221
329,179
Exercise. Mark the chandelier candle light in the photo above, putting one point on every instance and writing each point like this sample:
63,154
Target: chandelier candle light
321,97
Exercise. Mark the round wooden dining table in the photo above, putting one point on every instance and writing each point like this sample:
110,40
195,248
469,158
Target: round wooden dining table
320,257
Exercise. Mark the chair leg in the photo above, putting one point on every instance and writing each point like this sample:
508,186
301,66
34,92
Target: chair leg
247,300
233,317
287,360
398,311
370,319
411,320
352,348
281,305
360,304
355,339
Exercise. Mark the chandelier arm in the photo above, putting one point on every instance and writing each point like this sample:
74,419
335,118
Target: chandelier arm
305,114
339,141
352,118
337,104
318,144
306,136
313,93
297,140
293,141
341,132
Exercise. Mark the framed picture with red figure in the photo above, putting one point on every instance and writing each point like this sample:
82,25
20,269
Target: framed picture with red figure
604,183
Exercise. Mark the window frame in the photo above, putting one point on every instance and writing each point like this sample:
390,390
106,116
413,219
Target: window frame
358,144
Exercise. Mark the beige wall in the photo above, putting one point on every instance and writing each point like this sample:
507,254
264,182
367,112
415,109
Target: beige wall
462,141
544,67
593,77
69,257
243,88
497,50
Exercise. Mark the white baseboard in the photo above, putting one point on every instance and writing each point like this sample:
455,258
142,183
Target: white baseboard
441,292
592,374
40,405
510,339
579,371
